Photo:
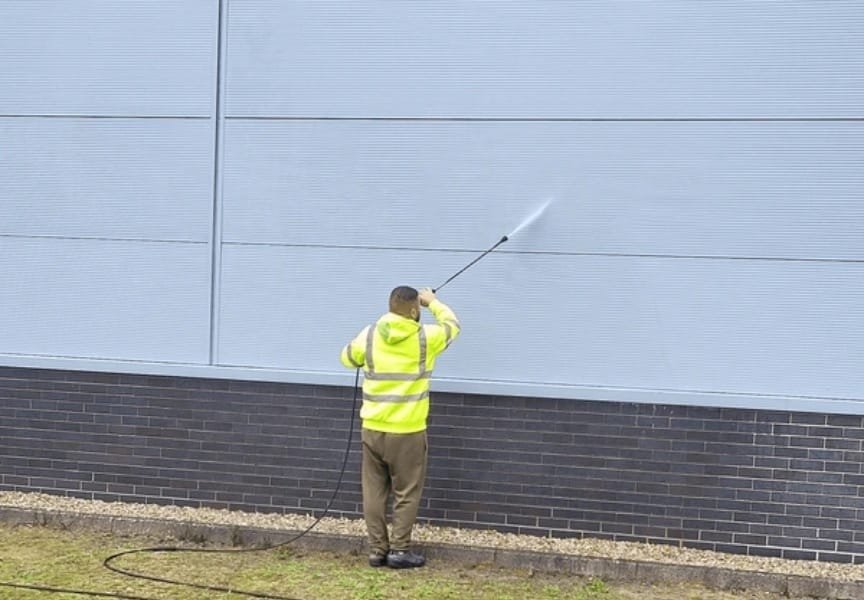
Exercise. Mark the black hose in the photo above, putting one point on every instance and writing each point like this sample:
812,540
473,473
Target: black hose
45,588
204,586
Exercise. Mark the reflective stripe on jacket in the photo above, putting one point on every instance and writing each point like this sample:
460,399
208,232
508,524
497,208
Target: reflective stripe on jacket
398,355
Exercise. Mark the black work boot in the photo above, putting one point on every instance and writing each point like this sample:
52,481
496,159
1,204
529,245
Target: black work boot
404,559
377,559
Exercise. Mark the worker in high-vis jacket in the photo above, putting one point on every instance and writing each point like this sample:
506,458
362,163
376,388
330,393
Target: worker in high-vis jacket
397,354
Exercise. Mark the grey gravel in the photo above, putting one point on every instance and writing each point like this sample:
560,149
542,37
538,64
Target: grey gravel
442,535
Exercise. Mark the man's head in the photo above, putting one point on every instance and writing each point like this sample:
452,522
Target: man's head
405,301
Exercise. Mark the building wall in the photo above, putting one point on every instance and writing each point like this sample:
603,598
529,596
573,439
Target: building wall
186,186
702,238
198,194
106,179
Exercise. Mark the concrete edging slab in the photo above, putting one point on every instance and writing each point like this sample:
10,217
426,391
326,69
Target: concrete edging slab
586,566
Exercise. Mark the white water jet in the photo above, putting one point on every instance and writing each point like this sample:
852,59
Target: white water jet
530,218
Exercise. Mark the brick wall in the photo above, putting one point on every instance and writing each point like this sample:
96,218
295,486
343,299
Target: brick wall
744,481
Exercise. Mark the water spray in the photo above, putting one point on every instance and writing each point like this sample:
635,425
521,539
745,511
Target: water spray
530,218
525,223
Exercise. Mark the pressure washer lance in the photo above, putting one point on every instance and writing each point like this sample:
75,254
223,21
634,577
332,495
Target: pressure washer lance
525,223
465,268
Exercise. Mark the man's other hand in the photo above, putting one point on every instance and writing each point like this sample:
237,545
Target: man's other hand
426,296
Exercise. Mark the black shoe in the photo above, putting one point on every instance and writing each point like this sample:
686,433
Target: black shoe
403,559
377,560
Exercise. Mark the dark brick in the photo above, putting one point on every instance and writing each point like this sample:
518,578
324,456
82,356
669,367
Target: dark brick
771,462
807,442
807,465
808,418
763,551
797,430
825,477
616,528
843,467
772,416
585,526
825,432
716,536
733,549
750,517
845,421
835,557
511,519
755,495
733,480
649,532
843,444
790,475
811,544
784,542
756,540
755,473
682,534
854,433
833,534
839,513
804,510
821,523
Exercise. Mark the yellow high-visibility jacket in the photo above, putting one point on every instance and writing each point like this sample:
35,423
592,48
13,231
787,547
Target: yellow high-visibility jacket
398,355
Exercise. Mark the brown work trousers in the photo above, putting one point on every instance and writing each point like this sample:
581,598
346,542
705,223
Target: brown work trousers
394,461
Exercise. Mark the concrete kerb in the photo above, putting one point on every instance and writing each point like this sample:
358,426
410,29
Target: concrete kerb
607,569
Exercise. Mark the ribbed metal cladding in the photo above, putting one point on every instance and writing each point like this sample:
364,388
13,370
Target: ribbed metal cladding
546,59
106,180
703,161
140,58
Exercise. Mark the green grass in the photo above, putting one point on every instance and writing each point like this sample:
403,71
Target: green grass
39,555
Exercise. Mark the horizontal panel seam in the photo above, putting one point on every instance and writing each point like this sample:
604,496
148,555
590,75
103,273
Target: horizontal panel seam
76,116
551,253
100,239
554,119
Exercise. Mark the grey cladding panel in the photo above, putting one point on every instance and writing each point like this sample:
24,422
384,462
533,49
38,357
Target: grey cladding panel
105,299
680,325
782,190
107,57
677,257
545,58
112,178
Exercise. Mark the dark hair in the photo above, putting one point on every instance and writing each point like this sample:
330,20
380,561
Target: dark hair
403,294
403,299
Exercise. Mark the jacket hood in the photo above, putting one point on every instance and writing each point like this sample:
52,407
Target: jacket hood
394,328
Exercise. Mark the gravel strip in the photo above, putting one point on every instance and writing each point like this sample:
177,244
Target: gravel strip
443,535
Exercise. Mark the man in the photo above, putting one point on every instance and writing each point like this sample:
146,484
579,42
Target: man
397,355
